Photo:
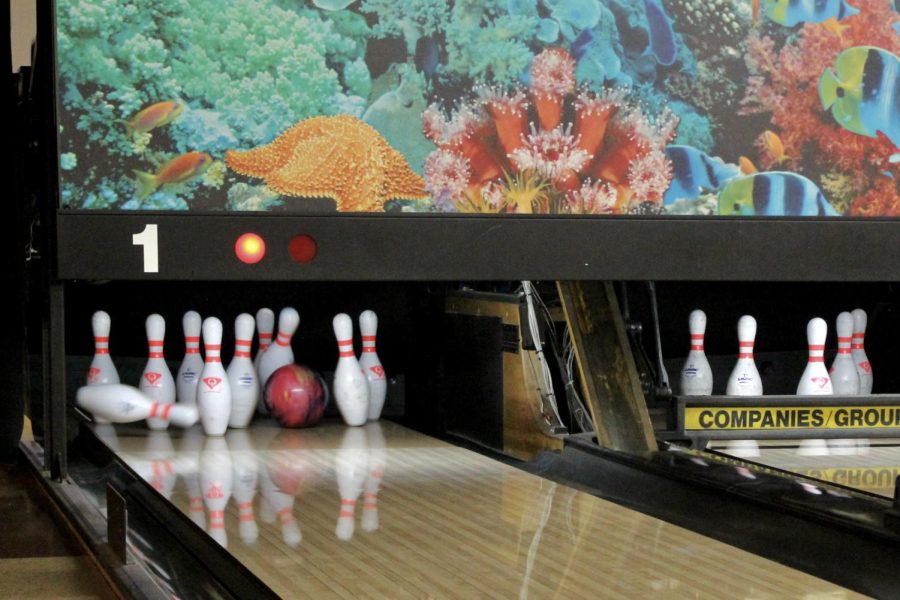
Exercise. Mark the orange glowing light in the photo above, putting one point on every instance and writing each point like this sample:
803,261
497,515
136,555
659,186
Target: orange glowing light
250,248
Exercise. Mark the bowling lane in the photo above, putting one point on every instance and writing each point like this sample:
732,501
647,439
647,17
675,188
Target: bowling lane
383,511
853,463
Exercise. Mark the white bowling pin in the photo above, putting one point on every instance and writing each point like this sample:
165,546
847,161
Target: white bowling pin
858,350
156,380
696,375
744,379
246,477
189,372
843,373
265,324
241,374
101,370
280,353
121,403
213,391
217,483
351,467
371,364
815,380
351,388
377,464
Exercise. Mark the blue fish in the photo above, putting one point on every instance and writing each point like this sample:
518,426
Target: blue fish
792,12
774,194
863,92
580,44
662,36
694,171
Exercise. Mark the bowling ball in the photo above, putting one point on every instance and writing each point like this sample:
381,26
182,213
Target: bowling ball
296,396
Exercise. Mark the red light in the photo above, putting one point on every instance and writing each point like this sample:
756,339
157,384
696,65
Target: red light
302,248
250,248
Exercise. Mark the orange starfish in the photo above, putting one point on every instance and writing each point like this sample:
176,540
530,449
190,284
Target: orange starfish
335,157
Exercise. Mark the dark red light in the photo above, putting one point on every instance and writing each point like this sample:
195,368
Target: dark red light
302,248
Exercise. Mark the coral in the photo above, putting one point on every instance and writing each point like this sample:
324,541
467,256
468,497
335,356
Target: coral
518,149
882,199
784,82
243,196
68,161
357,79
410,20
335,157
447,174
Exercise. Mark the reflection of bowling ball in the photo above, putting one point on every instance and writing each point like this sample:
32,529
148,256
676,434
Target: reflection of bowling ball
296,396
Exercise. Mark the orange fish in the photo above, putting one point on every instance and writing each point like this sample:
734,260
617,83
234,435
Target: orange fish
155,115
746,165
774,146
178,170
835,27
755,12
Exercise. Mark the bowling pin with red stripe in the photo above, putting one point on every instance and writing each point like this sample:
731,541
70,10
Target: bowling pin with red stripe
121,403
745,379
696,375
157,382
241,374
858,350
189,372
844,377
371,364
217,483
101,370
815,380
213,391
265,324
351,388
280,353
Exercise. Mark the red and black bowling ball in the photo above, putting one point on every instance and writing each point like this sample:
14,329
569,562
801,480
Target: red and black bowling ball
296,396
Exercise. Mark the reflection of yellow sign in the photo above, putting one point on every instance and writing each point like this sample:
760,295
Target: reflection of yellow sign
858,477
704,418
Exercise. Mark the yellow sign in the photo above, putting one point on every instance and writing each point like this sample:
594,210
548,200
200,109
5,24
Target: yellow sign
858,477
730,418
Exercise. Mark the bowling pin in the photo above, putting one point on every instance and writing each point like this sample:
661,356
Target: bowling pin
696,375
217,483
246,477
121,403
815,380
351,388
280,353
265,323
242,374
101,370
744,379
156,380
351,467
858,351
371,364
843,373
213,391
189,372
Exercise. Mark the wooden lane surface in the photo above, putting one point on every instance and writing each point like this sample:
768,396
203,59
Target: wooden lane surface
450,523
873,469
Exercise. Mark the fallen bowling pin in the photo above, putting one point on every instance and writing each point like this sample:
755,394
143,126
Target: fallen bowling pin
120,403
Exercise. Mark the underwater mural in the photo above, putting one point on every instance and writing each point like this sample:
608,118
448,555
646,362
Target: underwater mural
760,108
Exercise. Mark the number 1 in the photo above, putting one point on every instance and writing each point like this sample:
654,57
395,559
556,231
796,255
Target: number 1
148,239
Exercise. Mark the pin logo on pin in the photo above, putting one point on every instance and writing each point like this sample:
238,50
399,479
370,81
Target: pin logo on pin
865,366
93,374
152,378
212,382
378,370
821,381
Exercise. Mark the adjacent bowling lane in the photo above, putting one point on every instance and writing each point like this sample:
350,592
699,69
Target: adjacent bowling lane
382,511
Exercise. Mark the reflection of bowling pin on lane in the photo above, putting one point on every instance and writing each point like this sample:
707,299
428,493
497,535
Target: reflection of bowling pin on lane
351,467
121,403
156,380
696,375
159,454
101,370
213,391
265,323
858,350
217,482
744,380
187,466
276,503
371,364
351,388
189,372
246,476
242,374
377,463
280,353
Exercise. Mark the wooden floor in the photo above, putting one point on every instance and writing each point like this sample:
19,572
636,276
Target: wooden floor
422,518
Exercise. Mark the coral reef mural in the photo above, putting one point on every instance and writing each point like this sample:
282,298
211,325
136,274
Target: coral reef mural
761,108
